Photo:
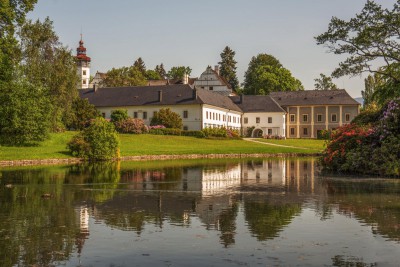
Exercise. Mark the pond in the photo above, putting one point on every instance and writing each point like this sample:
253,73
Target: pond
261,212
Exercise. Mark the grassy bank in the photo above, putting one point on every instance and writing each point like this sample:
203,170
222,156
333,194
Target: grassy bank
135,145
317,145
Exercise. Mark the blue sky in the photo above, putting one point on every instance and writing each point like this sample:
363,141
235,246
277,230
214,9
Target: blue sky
194,33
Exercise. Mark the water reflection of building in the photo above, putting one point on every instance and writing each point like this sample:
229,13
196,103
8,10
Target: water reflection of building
83,217
271,171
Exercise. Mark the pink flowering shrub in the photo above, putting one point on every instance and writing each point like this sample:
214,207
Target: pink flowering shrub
367,149
130,125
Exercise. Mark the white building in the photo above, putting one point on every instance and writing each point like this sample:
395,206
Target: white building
212,81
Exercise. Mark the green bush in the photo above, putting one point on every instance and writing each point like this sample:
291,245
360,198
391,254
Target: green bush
198,134
167,118
119,115
134,126
323,134
165,131
99,141
215,132
83,113
367,117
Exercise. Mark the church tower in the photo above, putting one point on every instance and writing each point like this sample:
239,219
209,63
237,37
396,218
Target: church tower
83,62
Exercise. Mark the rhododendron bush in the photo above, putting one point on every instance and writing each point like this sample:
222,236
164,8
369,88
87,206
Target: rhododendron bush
371,149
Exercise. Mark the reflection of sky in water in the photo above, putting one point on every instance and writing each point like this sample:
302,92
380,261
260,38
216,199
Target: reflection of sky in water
251,212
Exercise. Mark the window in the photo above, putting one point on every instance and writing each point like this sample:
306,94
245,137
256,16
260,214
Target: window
135,115
269,119
305,117
145,115
154,113
207,115
84,72
319,117
224,117
211,88
246,120
185,128
292,131
347,117
258,120
185,114
83,81
103,115
334,117
305,131
292,117
269,131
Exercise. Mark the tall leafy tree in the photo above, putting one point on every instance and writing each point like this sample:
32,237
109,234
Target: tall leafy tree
125,76
179,72
228,67
266,74
153,75
370,41
324,83
160,70
372,84
168,118
139,64
47,63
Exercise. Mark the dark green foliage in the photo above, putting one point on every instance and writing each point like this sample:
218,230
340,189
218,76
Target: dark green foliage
370,42
372,84
47,64
130,125
125,76
83,113
266,74
167,118
161,71
367,117
220,132
24,113
228,67
178,72
139,64
324,83
323,134
99,141
153,75
198,134
165,131
119,115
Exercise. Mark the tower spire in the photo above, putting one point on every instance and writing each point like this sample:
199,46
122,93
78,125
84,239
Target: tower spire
83,64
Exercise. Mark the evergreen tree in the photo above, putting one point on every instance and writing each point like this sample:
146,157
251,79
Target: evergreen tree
228,67
139,64
372,84
160,70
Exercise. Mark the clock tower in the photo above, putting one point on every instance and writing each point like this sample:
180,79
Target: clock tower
83,62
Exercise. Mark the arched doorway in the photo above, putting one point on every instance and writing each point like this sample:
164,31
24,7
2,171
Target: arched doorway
257,133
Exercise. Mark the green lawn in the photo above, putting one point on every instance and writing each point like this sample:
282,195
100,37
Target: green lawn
133,145
318,145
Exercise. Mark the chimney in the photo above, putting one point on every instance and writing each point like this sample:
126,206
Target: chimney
95,87
216,68
194,93
160,96
185,79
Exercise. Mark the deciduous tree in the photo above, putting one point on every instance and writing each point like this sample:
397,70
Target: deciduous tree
178,72
324,83
266,74
161,71
125,76
168,118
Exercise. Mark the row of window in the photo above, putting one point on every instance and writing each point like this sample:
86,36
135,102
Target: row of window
305,131
334,117
258,120
217,116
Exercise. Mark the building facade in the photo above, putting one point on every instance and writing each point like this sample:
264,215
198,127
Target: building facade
212,81
83,66
310,112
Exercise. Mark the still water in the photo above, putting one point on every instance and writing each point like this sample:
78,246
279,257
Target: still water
263,212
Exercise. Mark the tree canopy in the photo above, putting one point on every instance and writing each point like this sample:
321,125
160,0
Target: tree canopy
124,76
168,118
161,71
228,67
370,41
178,72
266,74
324,83
139,64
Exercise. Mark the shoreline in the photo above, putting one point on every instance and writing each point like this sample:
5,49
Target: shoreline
44,162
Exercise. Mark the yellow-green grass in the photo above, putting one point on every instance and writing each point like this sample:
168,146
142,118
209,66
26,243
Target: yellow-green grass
314,144
133,145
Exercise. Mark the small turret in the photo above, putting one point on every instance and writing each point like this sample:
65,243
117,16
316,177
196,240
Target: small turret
83,65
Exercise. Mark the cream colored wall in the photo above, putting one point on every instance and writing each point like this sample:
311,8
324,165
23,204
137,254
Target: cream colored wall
219,120
277,125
